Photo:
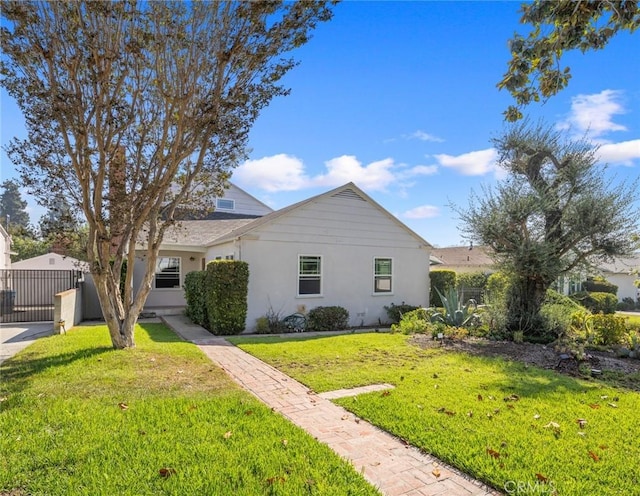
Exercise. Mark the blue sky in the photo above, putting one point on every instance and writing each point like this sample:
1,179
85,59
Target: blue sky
401,98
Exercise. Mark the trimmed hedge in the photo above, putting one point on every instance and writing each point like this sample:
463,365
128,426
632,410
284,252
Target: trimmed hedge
195,294
599,285
443,280
227,284
327,319
597,302
471,280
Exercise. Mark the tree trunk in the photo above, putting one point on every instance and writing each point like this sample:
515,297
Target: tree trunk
525,299
119,322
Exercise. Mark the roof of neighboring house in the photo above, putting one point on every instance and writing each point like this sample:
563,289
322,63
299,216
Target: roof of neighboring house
621,265
51,261
349,188
463,256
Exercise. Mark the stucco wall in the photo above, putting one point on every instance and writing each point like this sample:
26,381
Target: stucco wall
626,288
67,307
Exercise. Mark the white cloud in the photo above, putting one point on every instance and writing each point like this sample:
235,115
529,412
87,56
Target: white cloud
622,153
593,114
422,212
475,163
422,170
422,136
373,177
280,172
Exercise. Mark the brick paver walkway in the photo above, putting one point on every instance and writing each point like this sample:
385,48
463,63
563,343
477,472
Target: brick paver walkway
384,460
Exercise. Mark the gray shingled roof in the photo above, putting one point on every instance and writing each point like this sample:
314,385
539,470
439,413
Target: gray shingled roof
462,256
201,232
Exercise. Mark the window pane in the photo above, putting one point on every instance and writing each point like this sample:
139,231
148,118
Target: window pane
382,284
308,286
225,204
383,266
309,265
168,272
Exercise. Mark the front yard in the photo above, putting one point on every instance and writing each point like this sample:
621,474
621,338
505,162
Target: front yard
509,424
77,417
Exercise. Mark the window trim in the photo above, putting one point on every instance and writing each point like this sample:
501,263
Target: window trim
375,291
155,275
233,204
299,275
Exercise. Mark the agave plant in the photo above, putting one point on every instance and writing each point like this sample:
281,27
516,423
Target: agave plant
455,314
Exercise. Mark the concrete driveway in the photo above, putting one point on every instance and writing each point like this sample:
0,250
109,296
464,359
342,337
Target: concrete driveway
15,337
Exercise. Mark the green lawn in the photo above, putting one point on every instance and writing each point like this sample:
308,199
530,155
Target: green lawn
77,417
500,421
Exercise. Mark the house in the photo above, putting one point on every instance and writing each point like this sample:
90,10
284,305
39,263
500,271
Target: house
51,261
623,272
5,249
464,259
337,248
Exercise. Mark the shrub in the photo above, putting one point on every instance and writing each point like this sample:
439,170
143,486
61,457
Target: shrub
455,314
418,321
472,280
608,329
627,304
262,325
599,285
227,283
328,319
395,312
497,286
597,302
195,294
443,280
561,316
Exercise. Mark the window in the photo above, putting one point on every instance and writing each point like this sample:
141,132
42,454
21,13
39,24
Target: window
382,275
309,275
228,257
225,204
168,272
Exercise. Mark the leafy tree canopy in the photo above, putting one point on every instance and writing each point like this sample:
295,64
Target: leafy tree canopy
553,213
12,206
558,26
138,111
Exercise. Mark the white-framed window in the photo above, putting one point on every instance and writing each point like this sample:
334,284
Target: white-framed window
309,275
228,257
225,204
167,273
382,275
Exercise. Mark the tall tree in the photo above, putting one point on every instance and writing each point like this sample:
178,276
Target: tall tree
553,213
12,206
137,111
558,26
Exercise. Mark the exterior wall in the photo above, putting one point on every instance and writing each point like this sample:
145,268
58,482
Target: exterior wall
348,233
67,307
5,249
51,261
626,288
244,203
168,297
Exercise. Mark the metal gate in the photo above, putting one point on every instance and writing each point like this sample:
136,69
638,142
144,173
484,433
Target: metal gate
28,295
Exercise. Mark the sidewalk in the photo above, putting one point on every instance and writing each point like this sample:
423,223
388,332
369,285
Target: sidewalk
385,461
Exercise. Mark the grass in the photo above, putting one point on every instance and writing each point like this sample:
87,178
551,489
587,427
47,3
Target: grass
633,321
77,417
502,422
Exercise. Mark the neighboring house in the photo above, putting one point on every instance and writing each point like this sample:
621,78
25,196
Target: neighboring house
623,272
338,248
464,259
51,261
5,249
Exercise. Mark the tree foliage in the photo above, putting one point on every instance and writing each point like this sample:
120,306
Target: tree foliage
12,206
558,26
137,111
554,212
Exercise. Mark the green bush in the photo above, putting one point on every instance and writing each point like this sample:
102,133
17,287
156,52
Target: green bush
416,321
195,294
443,280
599,285
395,312
497,286
471,280
227,284
560,315
328,319
597,302
608,329
627,305
262,325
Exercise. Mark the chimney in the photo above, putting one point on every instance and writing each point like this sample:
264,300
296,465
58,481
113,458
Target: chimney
470,245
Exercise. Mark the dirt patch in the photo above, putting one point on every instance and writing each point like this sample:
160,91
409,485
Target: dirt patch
543,356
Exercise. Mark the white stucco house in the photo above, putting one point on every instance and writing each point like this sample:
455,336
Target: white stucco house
51,261
5,249
337,248
623,272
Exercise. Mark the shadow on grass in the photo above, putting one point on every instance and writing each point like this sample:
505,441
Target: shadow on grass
159,332
17,372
